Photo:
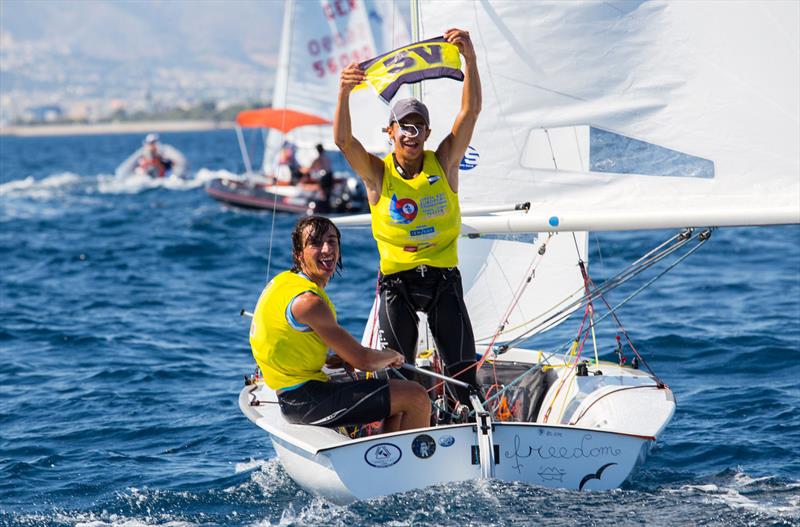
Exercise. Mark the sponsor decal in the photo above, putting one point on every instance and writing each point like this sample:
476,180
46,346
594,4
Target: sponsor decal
470,159
433,179
422,231
402,210
447,441
419,247
433,206
383,455
423,446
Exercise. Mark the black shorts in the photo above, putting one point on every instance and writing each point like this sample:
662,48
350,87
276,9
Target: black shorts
337,403
439,294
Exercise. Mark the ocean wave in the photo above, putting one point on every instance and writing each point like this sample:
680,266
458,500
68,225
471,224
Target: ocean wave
768,497
65,183
205,175
250,465
136,184
40,189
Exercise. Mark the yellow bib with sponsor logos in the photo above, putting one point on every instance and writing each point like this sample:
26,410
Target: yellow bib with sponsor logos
287,353
416,221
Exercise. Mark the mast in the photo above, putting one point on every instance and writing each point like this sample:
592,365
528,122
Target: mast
281,78
416,32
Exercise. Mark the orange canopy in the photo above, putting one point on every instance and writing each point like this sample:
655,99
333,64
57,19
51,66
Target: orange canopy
281,119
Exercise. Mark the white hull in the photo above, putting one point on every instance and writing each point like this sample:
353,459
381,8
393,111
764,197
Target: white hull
599,456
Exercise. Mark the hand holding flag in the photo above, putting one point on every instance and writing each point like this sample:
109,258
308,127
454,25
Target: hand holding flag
430,59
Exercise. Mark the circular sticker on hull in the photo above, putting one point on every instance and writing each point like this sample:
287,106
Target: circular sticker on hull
447,441
423,446
383,455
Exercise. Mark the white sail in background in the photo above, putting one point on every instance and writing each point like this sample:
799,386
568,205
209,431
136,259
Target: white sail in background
628,115
319,38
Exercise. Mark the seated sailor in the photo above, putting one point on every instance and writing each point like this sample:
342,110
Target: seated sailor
152,162
293,326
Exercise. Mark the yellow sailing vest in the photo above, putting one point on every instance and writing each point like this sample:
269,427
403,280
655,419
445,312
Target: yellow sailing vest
287,352
416,221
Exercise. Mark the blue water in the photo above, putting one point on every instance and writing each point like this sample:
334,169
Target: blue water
122,353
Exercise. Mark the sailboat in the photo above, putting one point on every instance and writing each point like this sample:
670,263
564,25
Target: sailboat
317,40
255,191
602,117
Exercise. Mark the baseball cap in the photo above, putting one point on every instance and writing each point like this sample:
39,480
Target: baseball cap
406,107
151,138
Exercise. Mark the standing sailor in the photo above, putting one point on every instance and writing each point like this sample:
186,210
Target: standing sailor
416,219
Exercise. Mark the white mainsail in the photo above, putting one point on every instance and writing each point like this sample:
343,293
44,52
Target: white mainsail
613,116
628,115
318,39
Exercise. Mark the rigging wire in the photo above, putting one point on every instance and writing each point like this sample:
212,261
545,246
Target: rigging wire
599,250
607,285
643,263
682,239
292,16
634,269
703,237
528,277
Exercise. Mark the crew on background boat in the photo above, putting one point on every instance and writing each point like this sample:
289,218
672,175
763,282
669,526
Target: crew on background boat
152,162
293,326
322,163
286,168
320,172
416,218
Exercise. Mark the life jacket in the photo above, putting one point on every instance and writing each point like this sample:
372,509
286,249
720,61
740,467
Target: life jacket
153,166
287,352
416,221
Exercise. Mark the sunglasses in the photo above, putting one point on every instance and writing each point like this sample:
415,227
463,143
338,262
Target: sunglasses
411,130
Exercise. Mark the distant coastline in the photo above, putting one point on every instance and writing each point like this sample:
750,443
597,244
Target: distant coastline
125,127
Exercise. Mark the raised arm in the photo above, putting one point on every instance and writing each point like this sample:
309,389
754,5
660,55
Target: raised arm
366,165
312,310
453,147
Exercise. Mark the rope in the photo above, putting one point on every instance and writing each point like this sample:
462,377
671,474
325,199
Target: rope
639,266
683,238
528,277
283,139
608,285
703,237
